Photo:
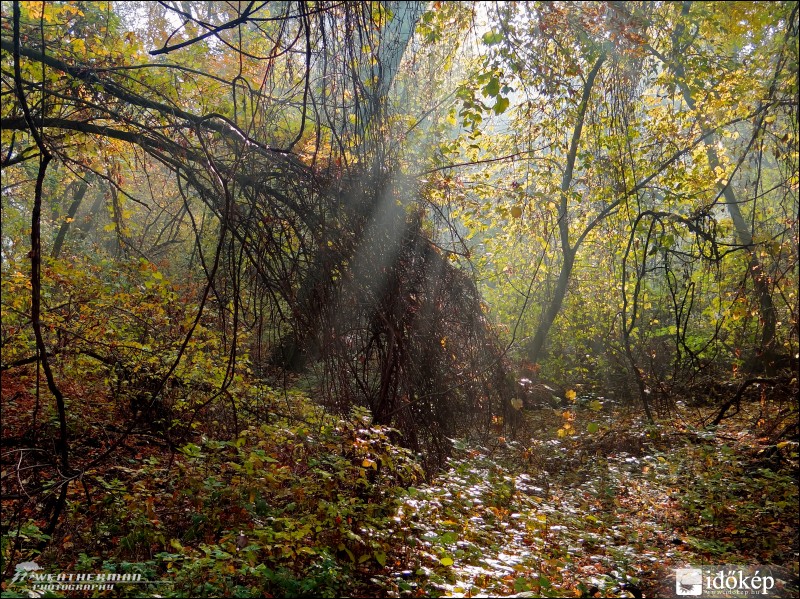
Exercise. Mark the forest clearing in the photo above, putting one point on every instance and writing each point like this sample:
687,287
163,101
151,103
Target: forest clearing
399,299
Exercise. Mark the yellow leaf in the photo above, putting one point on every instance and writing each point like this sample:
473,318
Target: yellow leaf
36,10
570,395
516,403
367,463
516,211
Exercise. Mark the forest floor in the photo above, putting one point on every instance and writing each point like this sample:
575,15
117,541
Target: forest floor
583,501
608,513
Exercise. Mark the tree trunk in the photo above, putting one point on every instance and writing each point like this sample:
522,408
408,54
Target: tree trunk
768,313
536,346
760,278
77,198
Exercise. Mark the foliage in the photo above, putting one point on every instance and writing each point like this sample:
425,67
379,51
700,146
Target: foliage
308,503
612,507
601,151
121,323
313,497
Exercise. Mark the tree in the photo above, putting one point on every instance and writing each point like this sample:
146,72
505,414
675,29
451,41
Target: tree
730,69
594,152
268,182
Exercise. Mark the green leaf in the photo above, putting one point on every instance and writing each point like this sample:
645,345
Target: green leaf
449,537
593,427
501,105
446,561
490,38
492,88
380,557
520,585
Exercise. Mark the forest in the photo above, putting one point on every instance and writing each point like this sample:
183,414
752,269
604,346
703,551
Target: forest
399,299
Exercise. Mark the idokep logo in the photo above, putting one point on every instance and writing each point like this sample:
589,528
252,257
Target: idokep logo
689,581
724,581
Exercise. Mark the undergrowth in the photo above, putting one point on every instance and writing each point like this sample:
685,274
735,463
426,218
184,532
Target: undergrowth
307,504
